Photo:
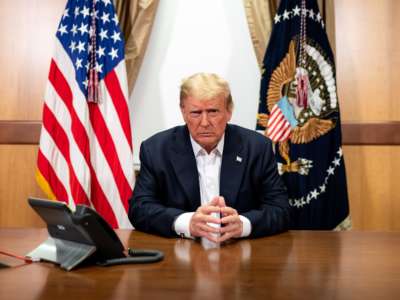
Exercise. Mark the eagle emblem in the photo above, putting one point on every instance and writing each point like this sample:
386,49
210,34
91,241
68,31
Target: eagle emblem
307,96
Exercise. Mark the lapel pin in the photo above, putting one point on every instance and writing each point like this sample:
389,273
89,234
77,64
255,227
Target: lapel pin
238,159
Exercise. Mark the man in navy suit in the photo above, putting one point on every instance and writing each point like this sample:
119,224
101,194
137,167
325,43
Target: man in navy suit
208,178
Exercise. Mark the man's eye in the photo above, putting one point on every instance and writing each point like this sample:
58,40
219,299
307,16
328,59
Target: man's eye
213,112
195,114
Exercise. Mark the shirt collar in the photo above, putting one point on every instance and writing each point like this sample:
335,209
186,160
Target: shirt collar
197,149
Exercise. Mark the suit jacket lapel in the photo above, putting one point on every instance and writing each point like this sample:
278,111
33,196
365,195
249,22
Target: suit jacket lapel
184,165
233,166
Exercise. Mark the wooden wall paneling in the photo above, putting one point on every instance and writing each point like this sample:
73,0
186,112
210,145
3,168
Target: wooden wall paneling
27,41
374,189
17,182
394,57
368,59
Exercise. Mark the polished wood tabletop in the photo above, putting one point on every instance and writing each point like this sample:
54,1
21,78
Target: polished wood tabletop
292,265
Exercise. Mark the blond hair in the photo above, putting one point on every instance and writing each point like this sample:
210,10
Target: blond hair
206,86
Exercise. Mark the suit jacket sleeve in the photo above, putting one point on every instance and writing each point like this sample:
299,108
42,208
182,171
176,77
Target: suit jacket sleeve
272,215
147,211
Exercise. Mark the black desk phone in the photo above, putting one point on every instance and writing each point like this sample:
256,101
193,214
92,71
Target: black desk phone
80,236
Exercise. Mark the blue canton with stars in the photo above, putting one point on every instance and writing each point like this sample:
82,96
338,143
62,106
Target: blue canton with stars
74,34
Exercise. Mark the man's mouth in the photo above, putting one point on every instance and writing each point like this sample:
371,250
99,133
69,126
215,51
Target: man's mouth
206,134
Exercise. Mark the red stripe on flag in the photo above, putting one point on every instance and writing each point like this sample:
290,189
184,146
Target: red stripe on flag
275,136
287,134
120,104
51,177
110,152
283,132
278,127
97,197
274,126
60,138
275,117
274,113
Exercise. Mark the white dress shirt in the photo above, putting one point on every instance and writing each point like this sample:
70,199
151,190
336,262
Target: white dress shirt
209,169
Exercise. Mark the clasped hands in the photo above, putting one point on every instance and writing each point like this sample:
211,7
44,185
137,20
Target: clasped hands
201,223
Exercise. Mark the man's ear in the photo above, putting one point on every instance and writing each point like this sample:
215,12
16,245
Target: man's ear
229,114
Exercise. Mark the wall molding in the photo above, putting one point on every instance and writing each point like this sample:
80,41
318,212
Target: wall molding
20,132
383,133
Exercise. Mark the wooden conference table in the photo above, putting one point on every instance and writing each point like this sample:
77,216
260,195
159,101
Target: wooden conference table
292,265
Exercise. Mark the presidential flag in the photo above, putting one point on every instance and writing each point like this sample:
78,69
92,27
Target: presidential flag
299,70
85,153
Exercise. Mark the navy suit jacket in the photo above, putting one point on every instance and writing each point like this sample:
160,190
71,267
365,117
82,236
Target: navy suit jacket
168,184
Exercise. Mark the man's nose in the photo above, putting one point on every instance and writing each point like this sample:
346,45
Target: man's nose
204,119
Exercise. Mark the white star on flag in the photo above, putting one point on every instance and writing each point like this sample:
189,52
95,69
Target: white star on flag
115,19
314,194
116,37
78,63
286,15
63,29
65,14
311,12
99,68
331,171
80,47
105,18
103,34
100,51
85,11
113,53
72,46
83,29
74,29
296,11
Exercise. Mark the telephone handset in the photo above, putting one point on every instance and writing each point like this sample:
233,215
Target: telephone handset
82,235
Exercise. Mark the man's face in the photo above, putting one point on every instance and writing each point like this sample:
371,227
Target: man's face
206,120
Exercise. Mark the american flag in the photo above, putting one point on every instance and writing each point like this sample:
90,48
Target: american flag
85,153
281,121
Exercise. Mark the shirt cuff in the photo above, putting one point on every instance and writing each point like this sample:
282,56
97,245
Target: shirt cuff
182,224
246,226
